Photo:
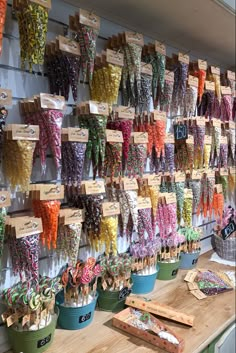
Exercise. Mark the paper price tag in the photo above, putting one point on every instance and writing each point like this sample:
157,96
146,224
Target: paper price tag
226,90
25,319
192,286
188,193
133,37
5,199
232,170
154,180
169,138
224,172
218,188
146,69
223,140
130,184
73,216
114,57
170,197
196,174
216,122
231,124
23,132
193,81
125,112
215,70
190,276
114,136
11,320
184,58
180,176
160,47
144,202
208,140
110,208
94,187
159,115
198,294
50,191
50,101
98,108
169,76
44,3
209,86
77,134
190,140
30,226
89,19
5,97
202,64
210,173
231,75
201,120
68,45
140,137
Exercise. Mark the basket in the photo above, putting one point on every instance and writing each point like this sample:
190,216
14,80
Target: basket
188,260
143,284
167,270
113,301
226,249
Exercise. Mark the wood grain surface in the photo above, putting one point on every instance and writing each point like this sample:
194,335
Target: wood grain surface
212,316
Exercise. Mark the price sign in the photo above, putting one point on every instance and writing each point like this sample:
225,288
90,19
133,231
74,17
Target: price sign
124,293
180,132
84,318
228,230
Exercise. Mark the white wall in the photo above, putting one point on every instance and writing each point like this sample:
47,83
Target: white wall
25,85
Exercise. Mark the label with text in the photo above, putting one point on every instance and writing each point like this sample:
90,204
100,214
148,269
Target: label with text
110,209
114,136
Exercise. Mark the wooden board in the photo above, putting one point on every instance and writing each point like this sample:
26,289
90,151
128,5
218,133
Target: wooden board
212,316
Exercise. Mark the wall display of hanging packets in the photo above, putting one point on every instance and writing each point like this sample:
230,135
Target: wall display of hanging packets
46,110
84,28
32,19
62,59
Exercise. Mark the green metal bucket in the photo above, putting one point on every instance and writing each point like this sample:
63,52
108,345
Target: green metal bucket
113,301
32,341
168,270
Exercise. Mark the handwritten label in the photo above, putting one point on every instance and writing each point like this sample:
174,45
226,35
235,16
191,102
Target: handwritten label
180,176
68,45
44,3
170,197
30,226
114,136
223,140
144,202
5,96
140,137
190,276
154,180
208,140
218,188
188,193
232,170
202,64
231,75
133,37
169,76
11,320
231,124
209,86
224,171
43,342
196,174
184,58
169,138
193,81
216,122
192,286
110,208
201,120
226,90
114,57
146,69
51,192
190,140
159,115
215,70
160,47
50,101
198,294
228,230
78,134
210,173
125,112
94,187
5,199
89,19
25,319
73,216
23,132
124,292
180,132
98,108
130,184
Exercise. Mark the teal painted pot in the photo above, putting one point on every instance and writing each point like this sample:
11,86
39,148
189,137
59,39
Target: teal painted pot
188,260
143,284
167,270
75,318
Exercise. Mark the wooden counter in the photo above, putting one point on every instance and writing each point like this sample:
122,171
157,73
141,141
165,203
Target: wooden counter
212,316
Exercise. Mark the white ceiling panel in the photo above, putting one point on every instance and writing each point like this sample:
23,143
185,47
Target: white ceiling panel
205,27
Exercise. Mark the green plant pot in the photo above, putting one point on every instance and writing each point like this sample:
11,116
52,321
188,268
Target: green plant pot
113,301
32,341
167,270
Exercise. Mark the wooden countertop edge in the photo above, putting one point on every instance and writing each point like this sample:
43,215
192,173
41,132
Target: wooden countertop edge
215,334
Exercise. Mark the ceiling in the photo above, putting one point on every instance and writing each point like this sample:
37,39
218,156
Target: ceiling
205,27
